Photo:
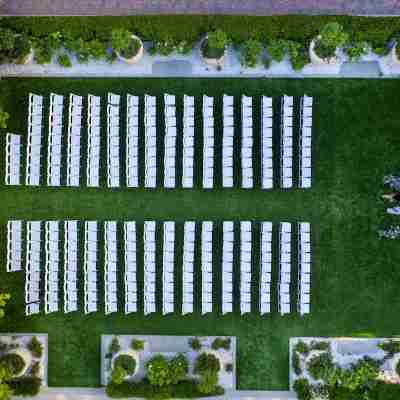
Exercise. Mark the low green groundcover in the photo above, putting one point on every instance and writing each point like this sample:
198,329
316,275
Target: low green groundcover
185,389
25,386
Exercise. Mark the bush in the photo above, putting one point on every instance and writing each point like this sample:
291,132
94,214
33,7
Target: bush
296,364
183,390
118,374
229,368
25,386
35,369
302,389
114,346
64,60
137,344
250,51
158,371
361,375
126,362
319,345
178,368
332,36
355,50
220,343
319,366
43,51
123,42
35,347
208,382
195,344
277,49
206,362
298,55
302,348
215,44
14,362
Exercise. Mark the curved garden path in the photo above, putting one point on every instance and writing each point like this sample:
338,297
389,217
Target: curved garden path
234,7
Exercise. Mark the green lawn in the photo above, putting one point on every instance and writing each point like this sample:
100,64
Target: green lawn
355,281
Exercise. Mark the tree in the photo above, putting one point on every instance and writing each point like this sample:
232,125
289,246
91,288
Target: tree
4,297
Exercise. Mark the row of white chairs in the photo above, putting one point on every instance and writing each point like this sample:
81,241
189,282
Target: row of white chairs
113,174
93,144
265,267
287,142
13,159
168,267
227,266
304,268
14,245
188,267
132,141
74,140
267,154
90,267
245,266
188,142
169,141
149,239
52,254
206,267
130,267
32,267
34,144
150,124
54,140
227,141
208,142
247,142
285,267
70,266
305,138
110,267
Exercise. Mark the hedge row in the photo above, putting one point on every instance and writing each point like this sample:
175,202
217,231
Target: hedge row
375,30
143,389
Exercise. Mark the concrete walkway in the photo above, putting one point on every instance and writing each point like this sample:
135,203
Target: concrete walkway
232,7
99,394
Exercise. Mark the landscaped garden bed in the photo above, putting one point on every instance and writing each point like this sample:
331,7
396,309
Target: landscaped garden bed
182,366
321,368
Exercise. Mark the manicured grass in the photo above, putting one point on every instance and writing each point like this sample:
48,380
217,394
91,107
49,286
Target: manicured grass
355,276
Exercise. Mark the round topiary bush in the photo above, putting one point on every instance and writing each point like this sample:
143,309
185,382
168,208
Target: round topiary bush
14,362
213,47
126,362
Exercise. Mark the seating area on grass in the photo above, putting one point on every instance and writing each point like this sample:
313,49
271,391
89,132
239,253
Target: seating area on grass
124,153
236,236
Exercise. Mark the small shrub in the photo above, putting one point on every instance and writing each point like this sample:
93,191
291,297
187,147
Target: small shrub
332,36
250,51
391,347
220,343
356,50
114,346
206,362
158,372
319,345
118,374
35,347
215,44
298,55
64,61
126,362
123,42
178,368
43,51
302,348
25,386
208,382
14,362
35,369
296,363
302,389
277,49
195,344
229,368
319,366
137,344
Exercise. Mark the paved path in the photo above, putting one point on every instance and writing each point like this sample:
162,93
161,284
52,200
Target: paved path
235,7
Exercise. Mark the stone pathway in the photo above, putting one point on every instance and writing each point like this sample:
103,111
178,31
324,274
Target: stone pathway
233,7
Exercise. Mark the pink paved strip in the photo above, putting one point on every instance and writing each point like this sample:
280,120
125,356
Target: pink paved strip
231,7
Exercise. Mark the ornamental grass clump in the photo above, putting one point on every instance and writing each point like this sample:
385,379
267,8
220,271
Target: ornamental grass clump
250,52
331,37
